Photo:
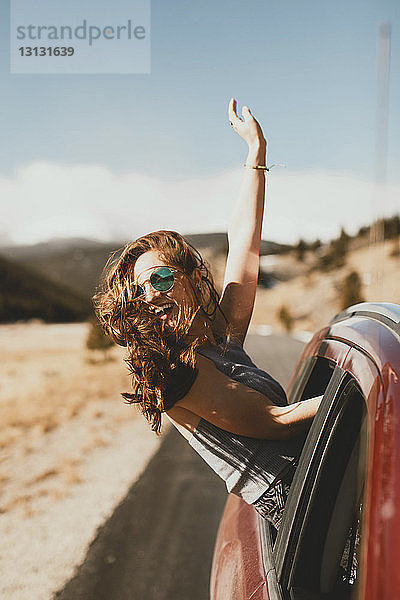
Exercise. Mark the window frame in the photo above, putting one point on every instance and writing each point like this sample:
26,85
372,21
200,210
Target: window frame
278,556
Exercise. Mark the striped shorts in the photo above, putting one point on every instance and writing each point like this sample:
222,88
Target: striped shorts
272,503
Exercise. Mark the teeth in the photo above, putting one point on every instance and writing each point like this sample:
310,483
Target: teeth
158,309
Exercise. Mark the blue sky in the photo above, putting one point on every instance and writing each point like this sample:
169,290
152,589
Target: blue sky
307,69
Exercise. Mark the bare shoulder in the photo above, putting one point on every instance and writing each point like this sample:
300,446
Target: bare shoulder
185,414
210,377
210,387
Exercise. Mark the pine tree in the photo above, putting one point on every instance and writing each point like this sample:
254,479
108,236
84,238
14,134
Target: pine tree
300,250
352,292
285,318
97,339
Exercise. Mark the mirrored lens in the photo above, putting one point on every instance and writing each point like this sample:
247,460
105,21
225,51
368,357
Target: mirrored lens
162,279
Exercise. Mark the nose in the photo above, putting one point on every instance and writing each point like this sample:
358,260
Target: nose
149,292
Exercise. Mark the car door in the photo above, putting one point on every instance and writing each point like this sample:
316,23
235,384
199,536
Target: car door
316,552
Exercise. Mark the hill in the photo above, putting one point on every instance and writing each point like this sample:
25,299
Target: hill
306,279
218,243
28,295
78,263
313,295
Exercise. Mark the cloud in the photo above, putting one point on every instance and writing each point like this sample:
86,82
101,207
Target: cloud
311,204
45,200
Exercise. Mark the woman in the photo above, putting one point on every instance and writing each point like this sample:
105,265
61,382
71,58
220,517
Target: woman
185,346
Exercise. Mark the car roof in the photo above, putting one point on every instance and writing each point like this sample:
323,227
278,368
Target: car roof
384,312
371,328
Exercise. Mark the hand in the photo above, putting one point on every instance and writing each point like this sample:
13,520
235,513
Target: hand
247,128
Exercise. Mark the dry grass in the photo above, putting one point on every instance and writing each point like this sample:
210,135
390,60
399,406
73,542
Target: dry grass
47,378
57,405
314,297
70,451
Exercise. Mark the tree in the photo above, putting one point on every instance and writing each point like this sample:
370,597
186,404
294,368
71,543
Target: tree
363,231
335,257
300,249
344,236
315,245
351,291
391,227
97,339
285,318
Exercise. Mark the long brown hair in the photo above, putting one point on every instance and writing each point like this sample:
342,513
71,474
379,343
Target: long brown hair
155,351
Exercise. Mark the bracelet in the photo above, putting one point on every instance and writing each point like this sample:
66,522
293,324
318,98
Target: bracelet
259,167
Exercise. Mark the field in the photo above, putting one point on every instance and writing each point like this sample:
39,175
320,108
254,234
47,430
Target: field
69,451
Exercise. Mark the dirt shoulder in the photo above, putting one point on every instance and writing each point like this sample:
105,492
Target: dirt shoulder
70,449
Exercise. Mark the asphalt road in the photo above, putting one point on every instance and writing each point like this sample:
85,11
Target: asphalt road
158,543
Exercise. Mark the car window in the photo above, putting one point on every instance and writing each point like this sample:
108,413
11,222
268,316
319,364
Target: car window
311,378
316,551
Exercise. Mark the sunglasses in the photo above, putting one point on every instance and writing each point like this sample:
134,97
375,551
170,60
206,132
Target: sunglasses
162,279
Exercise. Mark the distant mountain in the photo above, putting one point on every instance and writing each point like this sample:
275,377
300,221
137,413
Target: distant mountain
27,295
50,247
78,263
219,242
77,266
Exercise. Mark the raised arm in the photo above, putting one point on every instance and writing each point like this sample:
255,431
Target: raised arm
244,233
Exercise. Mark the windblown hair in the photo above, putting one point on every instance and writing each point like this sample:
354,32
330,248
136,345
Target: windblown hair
159,356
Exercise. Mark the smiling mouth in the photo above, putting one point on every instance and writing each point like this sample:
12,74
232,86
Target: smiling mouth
162,311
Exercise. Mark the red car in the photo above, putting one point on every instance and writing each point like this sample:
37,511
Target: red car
340,536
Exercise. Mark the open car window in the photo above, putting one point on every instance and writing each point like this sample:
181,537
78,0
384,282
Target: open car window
311,378
315,554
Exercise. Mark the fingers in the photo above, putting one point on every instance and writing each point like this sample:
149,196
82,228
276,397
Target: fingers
232,114
232,110
246,126
246,113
